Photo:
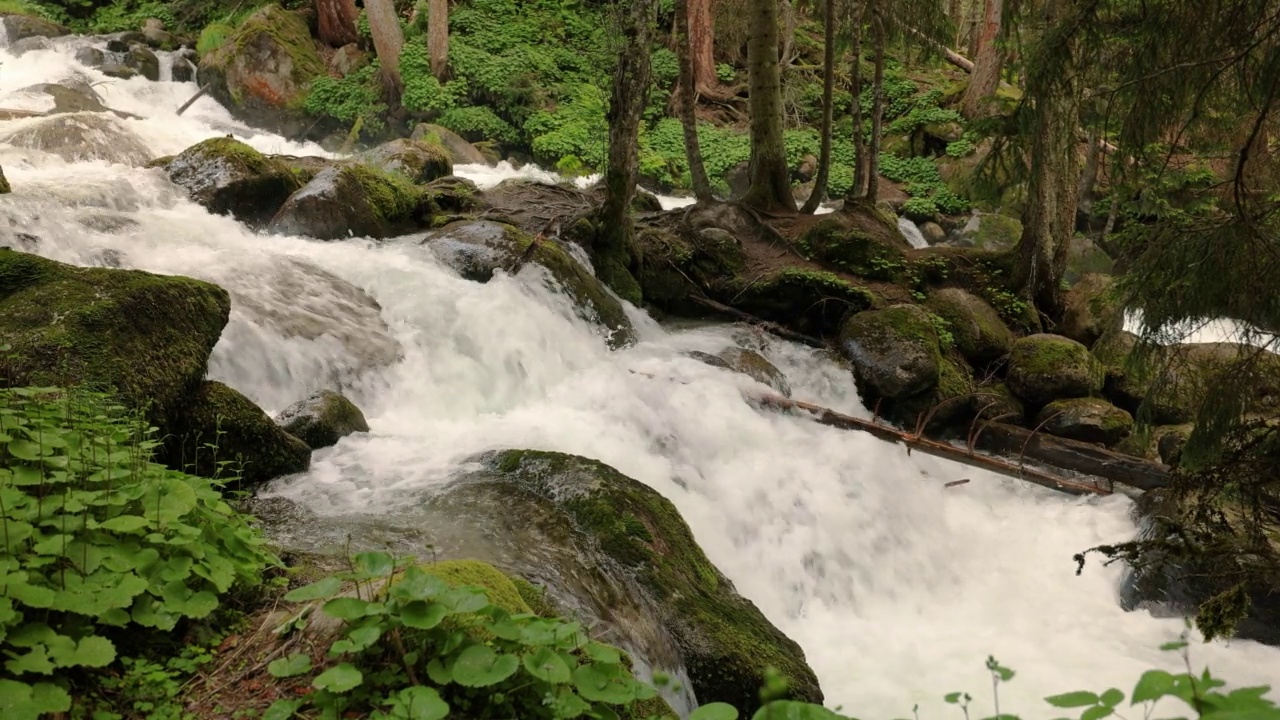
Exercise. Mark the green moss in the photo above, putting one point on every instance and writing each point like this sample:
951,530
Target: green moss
270,26
234,151
1043,368
980,334
146,336
833,241
812,300
499,588
534,596
391,197
726,643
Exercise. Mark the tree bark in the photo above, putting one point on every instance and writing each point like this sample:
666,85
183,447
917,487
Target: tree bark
859,188
388,41
828,90
955,8
702,37
877,112
986,66
770,182
336,22
438,37
688,104
626,111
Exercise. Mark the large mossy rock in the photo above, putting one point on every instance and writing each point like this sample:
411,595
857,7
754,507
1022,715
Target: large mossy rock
865,242
263,71
1086,419
322,419
1090,310
726,644
459,150
675,268
1044,368
812,301
478,248
980,335
228,177
146,336
21,26
418,161
349,201
895,352
223,434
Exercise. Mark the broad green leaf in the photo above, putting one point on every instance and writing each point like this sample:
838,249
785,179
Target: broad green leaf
567,704
325,588
792,710
478,666
419,703
546,665
282,709
1073,699
27,450
1097,712
48,698
953,698
34,661
422,615
602,653
604,683
1112,697
1175,645
357,639
439,673
94,652
460,601
168,499
1153,685
126,523
374,564
415,584
293,665
715,711
33,596
339,679
348,608
20,701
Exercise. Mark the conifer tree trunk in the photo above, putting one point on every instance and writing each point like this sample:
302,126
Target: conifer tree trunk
986,65
702,38
828,89
388,41
770,182
336,22
877,111
438,37
626,110
688,102
859,187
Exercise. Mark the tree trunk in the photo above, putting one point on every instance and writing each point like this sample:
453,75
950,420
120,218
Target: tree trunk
702,37
954,10
828,89
388,40
1089,176
438,37
770,182
688,103
877,112
626,111
859,187
336,22
986,65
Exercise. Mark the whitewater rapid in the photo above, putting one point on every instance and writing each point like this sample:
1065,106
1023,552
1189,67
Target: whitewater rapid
897,588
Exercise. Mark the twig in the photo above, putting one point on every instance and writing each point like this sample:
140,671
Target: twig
194,98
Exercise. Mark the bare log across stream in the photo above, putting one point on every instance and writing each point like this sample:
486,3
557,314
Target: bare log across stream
1107,466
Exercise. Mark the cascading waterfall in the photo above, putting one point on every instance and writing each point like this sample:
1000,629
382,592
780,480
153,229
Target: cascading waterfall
897,588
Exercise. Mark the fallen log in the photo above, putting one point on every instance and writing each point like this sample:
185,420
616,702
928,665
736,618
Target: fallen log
1074,455
194,98
769,327
946,451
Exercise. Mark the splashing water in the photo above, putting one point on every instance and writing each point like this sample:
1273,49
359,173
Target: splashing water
912,233
897,588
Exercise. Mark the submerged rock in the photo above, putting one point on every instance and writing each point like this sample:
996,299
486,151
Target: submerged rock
26,45
1044,368
78,137
478,248
347,201
230,178
263,71
148,336
418,162
749,363
70,96
1086,419
322,419
250,446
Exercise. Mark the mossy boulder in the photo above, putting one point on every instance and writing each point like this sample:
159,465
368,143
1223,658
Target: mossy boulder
812,301
19,26
991,231
864,242
81,137
228,177
1090,310
479,248
4,184
675,267
322,419
1084,257
1086,419
418,161
998,404
1044,368
749,363
146,336
248,445
980,335
895,352
263,71
726,644
350,200
458,149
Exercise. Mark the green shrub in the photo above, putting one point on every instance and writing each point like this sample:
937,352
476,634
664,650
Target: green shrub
213,37
354,97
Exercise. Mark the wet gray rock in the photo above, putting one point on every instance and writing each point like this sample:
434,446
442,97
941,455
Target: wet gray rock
895,351
156,36
348,201
118,70
460,151
1086,419
68,96
230,178
78,137
91,57
20,27
184,70
322,419
140,58
749,363
420,162
1044,368
26,45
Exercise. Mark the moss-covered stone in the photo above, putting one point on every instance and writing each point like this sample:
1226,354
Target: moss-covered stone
674,268
865,244
263,72
230,178
980,335
4,184
1044,368
455,146
992,231
726,644
20,26
351,200
813,301
1086,419
223,434
497,586
478,248
895,352
998,404
418,161
147,336
1091,309
322,419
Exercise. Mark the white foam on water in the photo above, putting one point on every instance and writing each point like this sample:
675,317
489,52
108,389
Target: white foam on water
897,588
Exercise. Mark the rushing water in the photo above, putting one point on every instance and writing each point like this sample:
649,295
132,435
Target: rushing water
897,588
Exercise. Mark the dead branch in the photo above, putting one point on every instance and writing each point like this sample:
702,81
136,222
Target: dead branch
765,325
194,98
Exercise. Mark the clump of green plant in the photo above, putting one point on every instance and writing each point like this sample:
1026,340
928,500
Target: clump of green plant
354,98
213,37
98,543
